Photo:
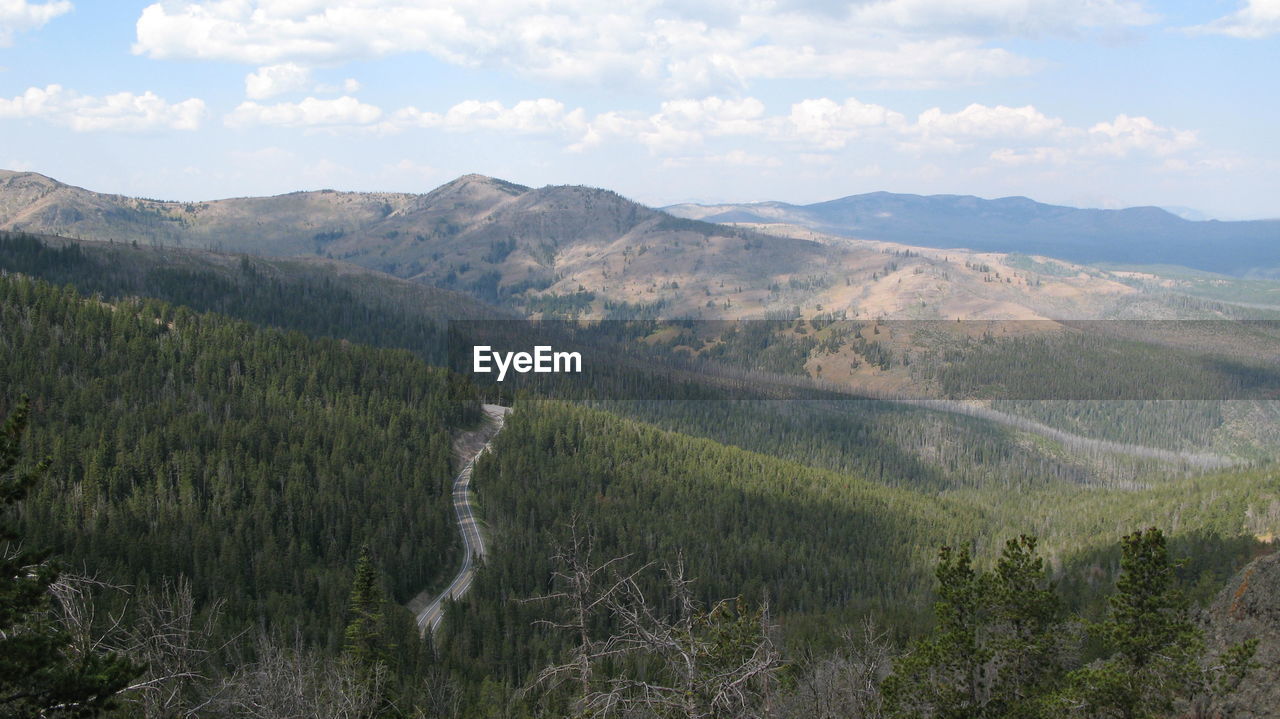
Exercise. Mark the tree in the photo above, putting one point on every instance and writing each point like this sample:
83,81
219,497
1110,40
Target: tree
997,648
40,672
944,673
843,685
1156,649
1030,636
698,663
365,636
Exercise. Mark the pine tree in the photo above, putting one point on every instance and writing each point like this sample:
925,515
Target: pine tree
366,609
1156,647
40,674
996,650
945,673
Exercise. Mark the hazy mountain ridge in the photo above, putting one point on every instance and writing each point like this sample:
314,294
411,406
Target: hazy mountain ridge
591,252
1135,235
508,243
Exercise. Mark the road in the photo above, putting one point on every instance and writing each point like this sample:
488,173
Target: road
430,615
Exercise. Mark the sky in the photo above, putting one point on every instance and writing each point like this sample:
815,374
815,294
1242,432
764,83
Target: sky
1089,103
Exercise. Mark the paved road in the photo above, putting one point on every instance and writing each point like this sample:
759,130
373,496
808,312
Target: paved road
472,541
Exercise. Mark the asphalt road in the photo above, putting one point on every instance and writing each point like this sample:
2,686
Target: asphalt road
472,541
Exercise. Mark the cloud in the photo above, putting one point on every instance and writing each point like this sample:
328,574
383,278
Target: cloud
1126,135
981,121
1257,19
19,16
679,123
732,158
1033,156
273,80
1003,17
739,131
123,111
525,117
342,111
826,123
684,48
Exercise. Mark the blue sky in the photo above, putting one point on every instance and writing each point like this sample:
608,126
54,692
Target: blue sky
1099,103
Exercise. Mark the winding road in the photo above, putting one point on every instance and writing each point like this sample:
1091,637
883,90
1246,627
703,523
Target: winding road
430,614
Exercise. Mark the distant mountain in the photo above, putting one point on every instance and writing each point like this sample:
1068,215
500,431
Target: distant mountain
582,251
491,238
1136,236
1188,213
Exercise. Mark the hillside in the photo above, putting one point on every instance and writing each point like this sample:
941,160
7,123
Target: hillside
251,461
1135,235
320,297
1249,608
582,250
189,444
1198,362
823,548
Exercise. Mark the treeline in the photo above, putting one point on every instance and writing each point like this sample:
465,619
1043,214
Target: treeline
813,543
821,549
252,462
252,289
893,444
1088,364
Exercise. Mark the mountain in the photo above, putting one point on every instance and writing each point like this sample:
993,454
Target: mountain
487,236
1135,236
578,250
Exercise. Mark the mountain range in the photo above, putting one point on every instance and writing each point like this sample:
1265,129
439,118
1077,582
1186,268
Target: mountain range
1131,236
591,251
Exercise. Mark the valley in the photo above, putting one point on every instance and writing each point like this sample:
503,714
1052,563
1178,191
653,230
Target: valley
799,419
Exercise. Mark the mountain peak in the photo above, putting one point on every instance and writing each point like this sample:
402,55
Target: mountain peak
28,178
475,180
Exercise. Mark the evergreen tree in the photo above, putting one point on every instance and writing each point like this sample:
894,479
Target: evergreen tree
40,673
944,675
1156,647
1029,634
996,648
367,611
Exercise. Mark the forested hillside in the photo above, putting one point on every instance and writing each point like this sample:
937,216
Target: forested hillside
251,465
319,298
253,462
822,549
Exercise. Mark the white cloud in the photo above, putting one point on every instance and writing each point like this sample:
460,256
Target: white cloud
342,111
1257,19
739,131
273,80
981,121
20,15
713,115
1003,17
123,111
732,158
1033,156
525,117
679,123
683,47
1126,135
825,123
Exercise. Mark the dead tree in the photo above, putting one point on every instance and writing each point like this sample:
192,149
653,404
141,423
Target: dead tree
703,664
